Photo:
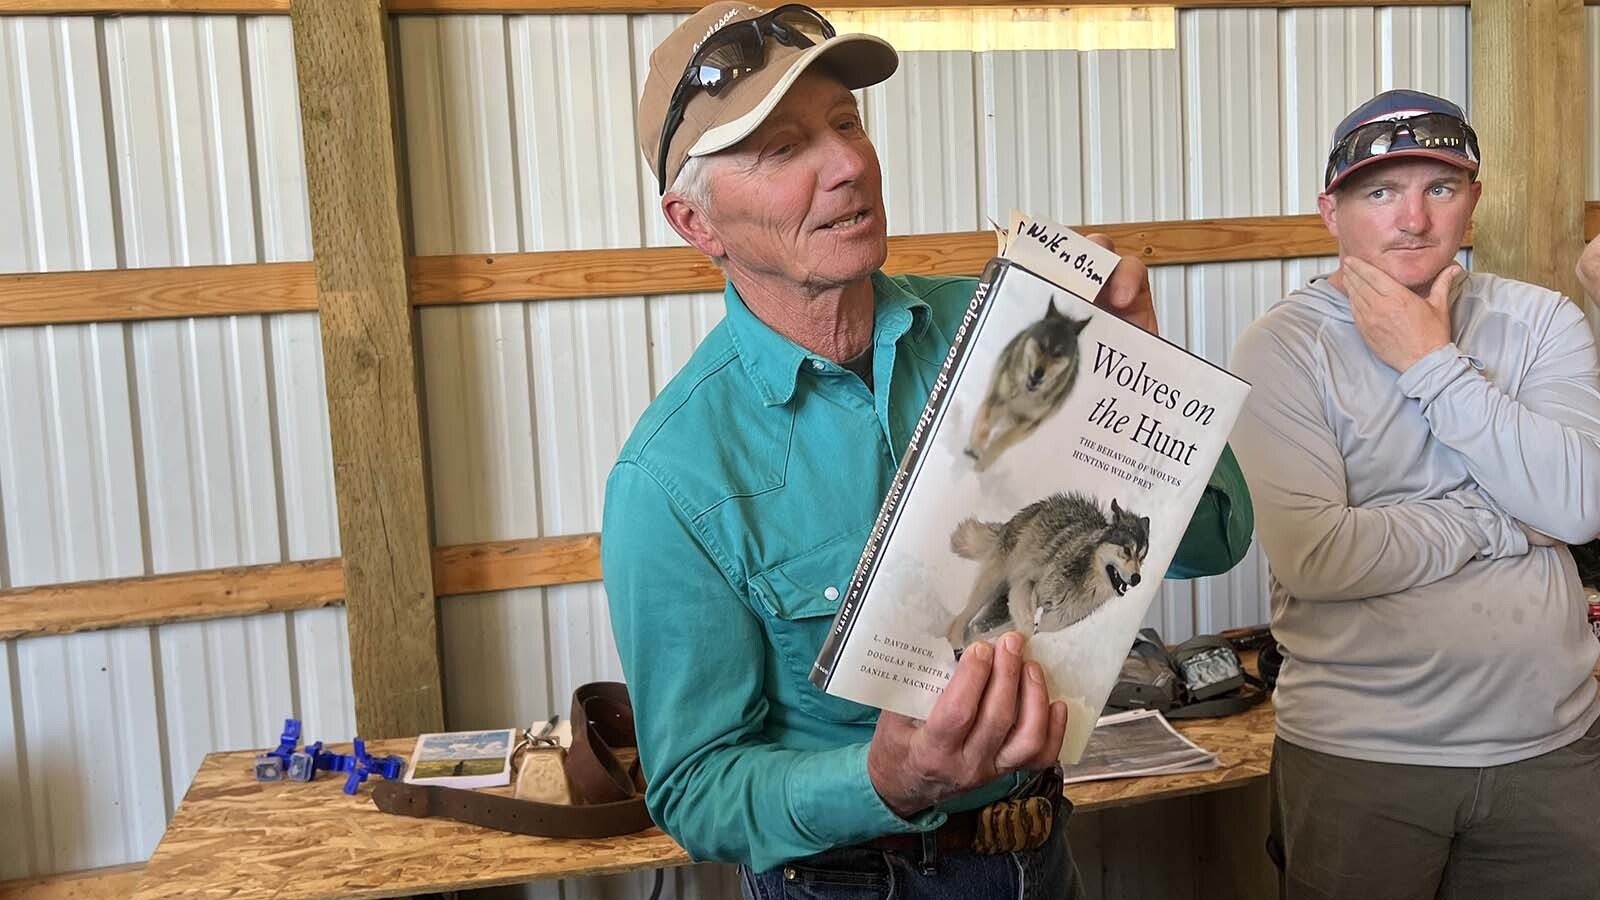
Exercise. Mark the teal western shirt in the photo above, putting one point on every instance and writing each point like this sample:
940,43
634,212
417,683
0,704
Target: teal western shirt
733,520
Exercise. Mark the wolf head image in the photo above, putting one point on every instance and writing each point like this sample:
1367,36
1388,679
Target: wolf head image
1052,564
1122,549
1036,370
1047,350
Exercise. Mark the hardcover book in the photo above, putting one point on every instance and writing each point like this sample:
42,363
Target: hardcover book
1045,490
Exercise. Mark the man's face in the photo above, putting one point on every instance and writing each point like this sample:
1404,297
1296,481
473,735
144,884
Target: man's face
1407,217
799,203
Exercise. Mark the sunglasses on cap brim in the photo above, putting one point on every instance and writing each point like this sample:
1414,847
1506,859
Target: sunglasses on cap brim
732,52
1430,131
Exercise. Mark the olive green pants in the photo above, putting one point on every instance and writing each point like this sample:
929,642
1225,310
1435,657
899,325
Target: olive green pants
1355,830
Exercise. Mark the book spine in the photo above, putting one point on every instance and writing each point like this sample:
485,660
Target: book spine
833,645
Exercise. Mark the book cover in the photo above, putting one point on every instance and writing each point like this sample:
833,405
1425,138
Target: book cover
1044,490
463,759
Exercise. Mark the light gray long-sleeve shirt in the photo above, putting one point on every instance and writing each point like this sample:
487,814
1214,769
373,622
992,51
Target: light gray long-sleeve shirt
1418,625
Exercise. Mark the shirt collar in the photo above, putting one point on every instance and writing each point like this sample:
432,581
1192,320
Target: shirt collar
773,361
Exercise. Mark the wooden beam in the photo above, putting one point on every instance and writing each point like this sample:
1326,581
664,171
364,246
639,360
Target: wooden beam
134,294
175,597
283,587
112,295
503,565
341,50
110,883
572,274
1527,80
68,7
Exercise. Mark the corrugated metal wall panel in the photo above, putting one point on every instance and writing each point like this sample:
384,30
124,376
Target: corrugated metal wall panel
155,447
57,147
1031,135
14,828
575,120
1329,66
211,486
71,509
922,122
91,726
1232,114
1425,48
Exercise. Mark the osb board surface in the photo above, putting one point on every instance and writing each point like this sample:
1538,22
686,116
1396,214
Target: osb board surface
237,838
112,883
1243,744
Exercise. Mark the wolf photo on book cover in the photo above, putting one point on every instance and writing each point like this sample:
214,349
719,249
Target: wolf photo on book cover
1057,465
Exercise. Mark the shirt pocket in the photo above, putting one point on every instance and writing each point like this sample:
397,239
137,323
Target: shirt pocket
797,601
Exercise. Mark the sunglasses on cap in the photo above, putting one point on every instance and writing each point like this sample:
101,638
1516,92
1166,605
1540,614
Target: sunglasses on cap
1430,131
733,51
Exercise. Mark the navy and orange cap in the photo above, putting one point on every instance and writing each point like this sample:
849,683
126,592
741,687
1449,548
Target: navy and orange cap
1398,104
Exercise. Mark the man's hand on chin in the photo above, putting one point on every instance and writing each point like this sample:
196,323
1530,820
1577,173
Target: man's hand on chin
1398,325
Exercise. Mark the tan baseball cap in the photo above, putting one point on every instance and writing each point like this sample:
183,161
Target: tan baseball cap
717,123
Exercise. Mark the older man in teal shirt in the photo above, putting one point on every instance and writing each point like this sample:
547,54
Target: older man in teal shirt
740,504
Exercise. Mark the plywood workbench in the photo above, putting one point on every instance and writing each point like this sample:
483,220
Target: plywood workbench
237,838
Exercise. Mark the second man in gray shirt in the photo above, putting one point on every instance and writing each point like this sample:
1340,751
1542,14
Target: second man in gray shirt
1421,444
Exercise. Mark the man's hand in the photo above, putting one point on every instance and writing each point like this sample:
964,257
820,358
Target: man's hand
1398,325
1537,538
1589,269
993,718
1127,292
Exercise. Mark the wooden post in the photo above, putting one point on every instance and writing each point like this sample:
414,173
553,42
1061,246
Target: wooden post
1528,101
369,353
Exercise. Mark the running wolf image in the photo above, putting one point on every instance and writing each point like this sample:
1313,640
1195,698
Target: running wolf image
1035,372
1053,563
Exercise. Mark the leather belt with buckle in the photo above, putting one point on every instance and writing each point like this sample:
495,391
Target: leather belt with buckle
1022,821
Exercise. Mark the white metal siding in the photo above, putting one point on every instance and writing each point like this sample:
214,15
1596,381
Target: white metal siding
160,446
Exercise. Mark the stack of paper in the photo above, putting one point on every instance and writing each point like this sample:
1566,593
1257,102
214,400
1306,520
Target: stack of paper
1139,742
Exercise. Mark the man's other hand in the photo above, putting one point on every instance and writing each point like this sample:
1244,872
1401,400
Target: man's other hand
1399,326
1127,292
1589,269
993,719
1537,538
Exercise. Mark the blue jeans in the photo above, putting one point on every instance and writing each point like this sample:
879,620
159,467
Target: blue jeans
856,873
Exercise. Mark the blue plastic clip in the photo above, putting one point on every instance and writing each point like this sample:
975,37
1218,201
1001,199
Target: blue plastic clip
364,764
352,782
268,767
303,763
391,767
275,765
327,760
287,742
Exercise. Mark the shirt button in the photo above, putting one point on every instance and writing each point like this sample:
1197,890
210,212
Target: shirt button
817,365
831,592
